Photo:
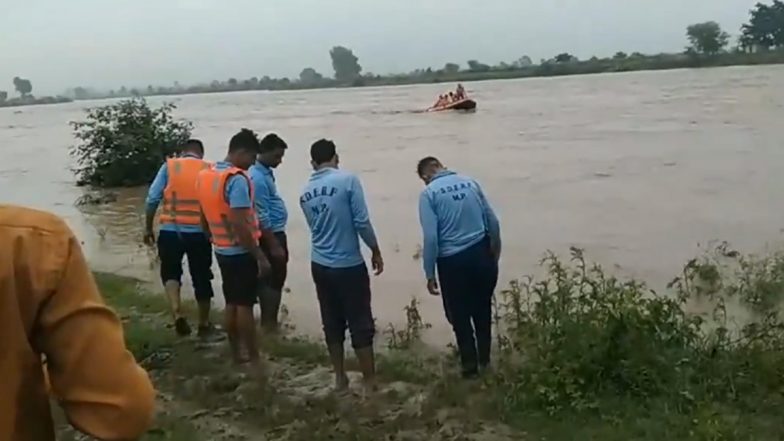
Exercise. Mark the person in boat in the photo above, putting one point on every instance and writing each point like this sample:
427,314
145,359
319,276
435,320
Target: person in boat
460,92
462,240
440,102
451,97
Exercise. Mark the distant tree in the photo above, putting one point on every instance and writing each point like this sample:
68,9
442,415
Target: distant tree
3,96
80,93
123,144
135,92
310,77
620,56
254,82
123,91
565,58
232,82
476,66
23,86
766,26
451,68
707,38
524,61
345,63
215,85
150,90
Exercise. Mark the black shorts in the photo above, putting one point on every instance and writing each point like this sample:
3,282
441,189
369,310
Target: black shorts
344,300
277,278
240,276
172,246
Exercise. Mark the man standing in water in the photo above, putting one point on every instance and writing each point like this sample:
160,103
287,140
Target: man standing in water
272,214
181,234
334,206
226,199
462,236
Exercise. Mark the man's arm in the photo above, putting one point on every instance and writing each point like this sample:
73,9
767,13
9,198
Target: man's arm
154,197
261,193
429,222
360,215
102,390
238,195
362,224
493,225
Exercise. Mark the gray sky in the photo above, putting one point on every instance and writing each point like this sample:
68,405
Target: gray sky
109,43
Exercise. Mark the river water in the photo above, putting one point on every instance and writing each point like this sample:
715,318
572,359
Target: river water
638,168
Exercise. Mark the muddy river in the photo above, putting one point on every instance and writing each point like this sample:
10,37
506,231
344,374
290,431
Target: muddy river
639,169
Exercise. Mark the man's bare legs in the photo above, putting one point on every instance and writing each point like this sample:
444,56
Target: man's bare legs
246,328
233,333
337,357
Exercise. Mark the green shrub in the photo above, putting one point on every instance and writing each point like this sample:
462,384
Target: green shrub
581,340
123,144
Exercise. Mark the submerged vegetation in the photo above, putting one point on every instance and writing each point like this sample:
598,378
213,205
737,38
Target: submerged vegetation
123,144
703,361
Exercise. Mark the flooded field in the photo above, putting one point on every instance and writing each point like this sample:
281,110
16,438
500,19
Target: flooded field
636,168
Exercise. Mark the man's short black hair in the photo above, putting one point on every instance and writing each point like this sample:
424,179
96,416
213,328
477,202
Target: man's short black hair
272,142
246,139
193,145
322,151
425,163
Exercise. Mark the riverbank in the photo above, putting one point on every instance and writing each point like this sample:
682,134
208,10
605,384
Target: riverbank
576,345
31,101
547,68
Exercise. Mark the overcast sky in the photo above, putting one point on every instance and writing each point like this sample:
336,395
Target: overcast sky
108,43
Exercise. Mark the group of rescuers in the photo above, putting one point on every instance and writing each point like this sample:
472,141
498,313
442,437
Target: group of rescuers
231,208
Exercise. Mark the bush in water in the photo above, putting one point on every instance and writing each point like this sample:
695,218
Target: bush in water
123,144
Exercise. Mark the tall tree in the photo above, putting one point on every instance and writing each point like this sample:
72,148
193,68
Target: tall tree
451,68
765,29
23,86
476,66
564,58
3,96
707,38
310,77
345,63
524,61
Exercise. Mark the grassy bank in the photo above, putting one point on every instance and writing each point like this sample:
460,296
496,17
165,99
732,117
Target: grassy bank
614,359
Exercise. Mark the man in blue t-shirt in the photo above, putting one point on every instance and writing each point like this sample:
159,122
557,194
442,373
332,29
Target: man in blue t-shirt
334,206
462,237
272,214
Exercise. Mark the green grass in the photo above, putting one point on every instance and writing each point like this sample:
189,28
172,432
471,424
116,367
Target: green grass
583,356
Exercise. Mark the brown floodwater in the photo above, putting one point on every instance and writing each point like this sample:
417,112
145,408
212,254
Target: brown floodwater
639,169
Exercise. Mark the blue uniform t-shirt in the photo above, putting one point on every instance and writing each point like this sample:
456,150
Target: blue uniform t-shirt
155,196
270,207
455,215
237,193
334,207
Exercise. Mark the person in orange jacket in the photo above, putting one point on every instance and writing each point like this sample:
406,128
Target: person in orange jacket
51,308
226,197
181,234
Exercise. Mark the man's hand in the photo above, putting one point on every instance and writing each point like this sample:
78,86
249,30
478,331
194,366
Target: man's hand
262,263
378,263
432,287
278,253
149,238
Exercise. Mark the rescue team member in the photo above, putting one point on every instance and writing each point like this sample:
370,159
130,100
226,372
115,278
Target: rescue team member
226,199
181,234
334,206
50,307
462,237
272,214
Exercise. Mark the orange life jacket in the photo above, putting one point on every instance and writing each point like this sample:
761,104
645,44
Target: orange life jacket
180,199
211,189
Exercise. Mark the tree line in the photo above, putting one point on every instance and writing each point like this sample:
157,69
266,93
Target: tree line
761,41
